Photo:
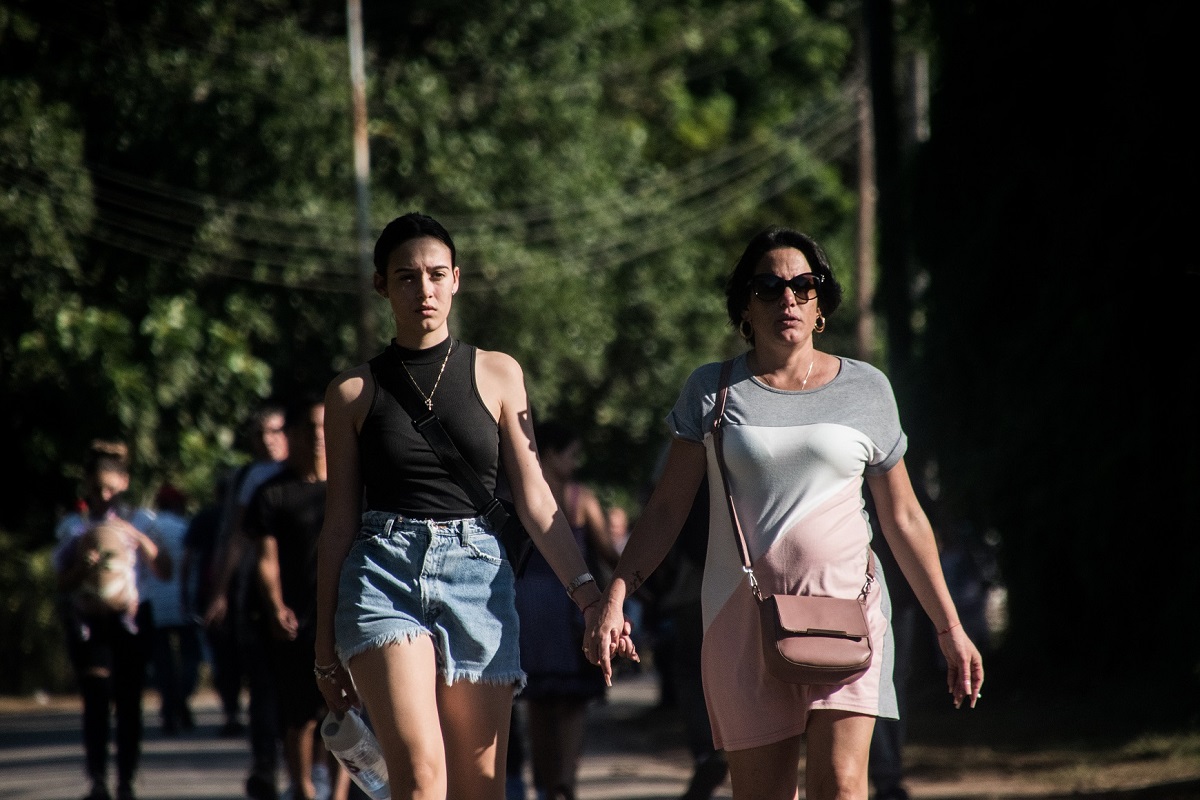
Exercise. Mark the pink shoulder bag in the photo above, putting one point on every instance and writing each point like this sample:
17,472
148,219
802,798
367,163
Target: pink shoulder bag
805,638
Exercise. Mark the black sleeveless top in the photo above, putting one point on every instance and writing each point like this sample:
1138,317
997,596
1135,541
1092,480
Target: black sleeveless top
400,471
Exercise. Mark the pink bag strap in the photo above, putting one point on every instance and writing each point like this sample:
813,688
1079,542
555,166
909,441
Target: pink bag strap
740,537
717,431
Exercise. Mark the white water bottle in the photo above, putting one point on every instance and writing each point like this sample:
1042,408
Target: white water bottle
353,744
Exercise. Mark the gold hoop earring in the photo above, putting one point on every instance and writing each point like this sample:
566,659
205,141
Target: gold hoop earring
820,326
746,330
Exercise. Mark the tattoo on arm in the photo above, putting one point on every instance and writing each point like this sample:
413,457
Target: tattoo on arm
635,581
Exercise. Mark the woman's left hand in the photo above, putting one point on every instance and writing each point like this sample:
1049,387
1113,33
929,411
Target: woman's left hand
964,665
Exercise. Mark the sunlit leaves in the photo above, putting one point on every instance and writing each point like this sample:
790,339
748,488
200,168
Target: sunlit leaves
599,164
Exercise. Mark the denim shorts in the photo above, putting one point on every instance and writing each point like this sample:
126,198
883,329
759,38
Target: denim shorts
447,579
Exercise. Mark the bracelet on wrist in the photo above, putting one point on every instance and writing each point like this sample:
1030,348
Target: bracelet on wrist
580,580
949,628
325,672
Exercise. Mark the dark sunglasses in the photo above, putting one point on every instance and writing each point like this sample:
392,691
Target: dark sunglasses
768,286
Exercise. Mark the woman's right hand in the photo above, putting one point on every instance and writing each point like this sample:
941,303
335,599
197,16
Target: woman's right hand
625,645
337,687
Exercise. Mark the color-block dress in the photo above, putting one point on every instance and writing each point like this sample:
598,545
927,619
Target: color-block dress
796,462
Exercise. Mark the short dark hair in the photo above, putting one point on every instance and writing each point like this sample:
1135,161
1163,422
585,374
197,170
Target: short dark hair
737,288
412,225
267,408
107,455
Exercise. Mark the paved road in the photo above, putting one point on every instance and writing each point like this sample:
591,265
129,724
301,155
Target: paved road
633,752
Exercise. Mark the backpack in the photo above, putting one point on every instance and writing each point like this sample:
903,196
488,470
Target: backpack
110,583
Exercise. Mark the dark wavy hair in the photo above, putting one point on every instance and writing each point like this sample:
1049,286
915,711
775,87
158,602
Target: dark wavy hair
412,225
737,288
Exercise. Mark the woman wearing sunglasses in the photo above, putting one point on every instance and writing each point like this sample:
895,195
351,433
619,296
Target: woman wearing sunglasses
802,430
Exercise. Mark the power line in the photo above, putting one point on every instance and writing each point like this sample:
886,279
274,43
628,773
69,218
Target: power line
162,221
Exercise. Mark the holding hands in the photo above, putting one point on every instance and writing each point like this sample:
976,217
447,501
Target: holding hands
608,634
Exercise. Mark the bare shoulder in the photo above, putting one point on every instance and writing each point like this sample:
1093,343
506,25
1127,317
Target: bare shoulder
497,366
501,383
350,392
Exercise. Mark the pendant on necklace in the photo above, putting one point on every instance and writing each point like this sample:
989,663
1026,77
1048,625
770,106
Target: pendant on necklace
428,398
804,383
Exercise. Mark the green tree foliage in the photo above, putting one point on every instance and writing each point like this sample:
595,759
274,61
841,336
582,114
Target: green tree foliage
45,210
30,624
183,308
599,164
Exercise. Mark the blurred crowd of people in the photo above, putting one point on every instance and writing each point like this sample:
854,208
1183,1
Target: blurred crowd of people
150,594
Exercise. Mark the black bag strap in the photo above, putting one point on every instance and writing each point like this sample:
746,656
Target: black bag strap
386,372
740,537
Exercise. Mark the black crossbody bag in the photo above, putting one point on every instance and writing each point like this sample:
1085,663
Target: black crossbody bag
501,515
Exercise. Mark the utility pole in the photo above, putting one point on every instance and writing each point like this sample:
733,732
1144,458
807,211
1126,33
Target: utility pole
367,333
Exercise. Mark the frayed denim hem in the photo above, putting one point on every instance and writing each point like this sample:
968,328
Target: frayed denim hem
516,679
394,637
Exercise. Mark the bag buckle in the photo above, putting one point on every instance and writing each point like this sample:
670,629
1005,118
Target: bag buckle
424,421
496,514
753,583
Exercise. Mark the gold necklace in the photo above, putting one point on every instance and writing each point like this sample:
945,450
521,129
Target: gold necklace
429,397
803,383
810,366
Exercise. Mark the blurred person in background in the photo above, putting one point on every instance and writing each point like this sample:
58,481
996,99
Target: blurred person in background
237,621
196,575
561,683
108,625
176,652
282,523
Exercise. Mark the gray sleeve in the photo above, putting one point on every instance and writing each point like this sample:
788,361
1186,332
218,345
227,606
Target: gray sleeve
885,430
691,417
